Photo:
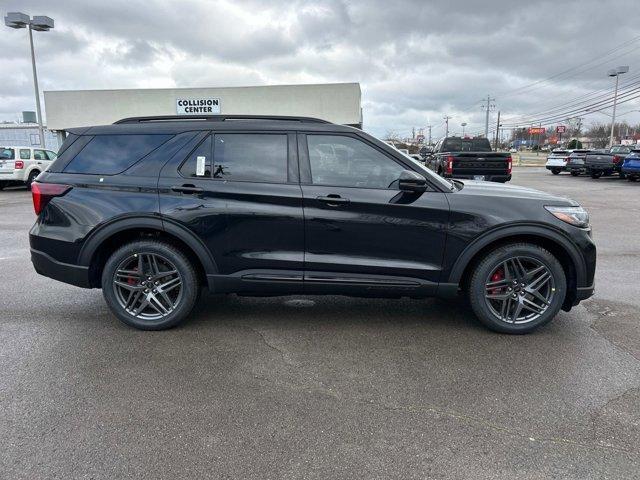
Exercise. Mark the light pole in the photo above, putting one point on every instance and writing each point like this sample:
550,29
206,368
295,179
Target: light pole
463,124
39,24
616,72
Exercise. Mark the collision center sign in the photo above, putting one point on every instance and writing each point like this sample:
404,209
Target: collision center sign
197,106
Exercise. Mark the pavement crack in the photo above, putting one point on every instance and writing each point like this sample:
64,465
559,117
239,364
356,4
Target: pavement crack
286,357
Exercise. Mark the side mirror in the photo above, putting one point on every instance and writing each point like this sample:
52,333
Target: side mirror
410,181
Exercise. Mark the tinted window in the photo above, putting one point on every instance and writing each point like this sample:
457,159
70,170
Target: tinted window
25,153
455,144
111,154
39,155
620,149
7,153
50,155
199,162
348,162
250,157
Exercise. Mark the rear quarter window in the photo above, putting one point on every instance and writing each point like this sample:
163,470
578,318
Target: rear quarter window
113,154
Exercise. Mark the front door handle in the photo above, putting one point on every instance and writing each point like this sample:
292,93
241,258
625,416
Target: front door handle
333,200
188,188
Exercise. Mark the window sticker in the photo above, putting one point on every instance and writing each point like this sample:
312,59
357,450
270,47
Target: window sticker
200,161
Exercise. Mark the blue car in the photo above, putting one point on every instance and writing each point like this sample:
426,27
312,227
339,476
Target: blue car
631,165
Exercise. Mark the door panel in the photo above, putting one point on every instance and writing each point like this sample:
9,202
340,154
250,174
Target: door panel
247,226
378,236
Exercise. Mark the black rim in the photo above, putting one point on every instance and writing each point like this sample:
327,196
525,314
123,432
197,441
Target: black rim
147,286
519,290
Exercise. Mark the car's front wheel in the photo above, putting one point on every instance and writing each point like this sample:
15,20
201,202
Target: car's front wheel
555,171
596,174
150,285
517,288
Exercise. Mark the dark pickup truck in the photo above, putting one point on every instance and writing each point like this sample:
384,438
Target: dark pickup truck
608,162
469,158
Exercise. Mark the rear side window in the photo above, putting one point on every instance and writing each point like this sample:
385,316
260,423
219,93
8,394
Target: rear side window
25,154
112,154
250,157
7,153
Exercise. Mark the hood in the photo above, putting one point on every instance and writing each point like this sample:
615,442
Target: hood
501,190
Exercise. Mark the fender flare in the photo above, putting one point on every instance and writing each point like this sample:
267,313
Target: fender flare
104,232
455,274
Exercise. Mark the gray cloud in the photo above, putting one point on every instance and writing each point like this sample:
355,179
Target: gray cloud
415,60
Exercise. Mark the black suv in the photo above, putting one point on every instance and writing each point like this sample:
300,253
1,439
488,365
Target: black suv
151,209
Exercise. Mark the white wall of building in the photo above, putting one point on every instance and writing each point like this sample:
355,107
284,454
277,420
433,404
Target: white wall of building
338,103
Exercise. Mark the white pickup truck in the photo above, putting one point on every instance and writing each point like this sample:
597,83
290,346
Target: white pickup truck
21,165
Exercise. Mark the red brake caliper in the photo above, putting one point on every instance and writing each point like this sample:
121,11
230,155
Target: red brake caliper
497,276
131,280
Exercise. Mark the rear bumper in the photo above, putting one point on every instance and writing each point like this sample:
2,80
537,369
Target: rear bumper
602,167
487,176
64,272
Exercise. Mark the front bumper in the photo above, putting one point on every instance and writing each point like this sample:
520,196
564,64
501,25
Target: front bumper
64,272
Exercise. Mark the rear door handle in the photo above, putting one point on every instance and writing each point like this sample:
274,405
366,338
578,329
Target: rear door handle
186,189
333,200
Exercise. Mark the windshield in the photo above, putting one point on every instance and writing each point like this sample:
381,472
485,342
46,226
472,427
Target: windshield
457,144
620,150
7,153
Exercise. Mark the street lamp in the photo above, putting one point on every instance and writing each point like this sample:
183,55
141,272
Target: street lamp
463,124
39,24
616,72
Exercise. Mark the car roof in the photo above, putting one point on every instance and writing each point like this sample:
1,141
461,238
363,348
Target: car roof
173,125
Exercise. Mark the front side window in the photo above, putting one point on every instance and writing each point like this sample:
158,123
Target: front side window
25,154
7,153
39,155
348,162
250,157
112,154
50,155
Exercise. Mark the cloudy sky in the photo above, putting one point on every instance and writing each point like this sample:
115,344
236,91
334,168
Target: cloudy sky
415,60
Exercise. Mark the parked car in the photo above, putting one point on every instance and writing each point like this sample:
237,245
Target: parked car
21,165
469,158
575,164
557,161
608,162
631,165
150,209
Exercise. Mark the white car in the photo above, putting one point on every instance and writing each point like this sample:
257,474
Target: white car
557,161
21,165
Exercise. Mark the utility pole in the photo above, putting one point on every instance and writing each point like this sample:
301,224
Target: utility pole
616,72
446,121
497,131
487,107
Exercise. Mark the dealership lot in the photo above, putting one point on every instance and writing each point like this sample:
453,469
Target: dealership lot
323,387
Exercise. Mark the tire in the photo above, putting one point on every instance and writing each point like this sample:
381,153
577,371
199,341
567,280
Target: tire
575,173
165,308
596,174
552,290
623,175
555,171
31,178
2,185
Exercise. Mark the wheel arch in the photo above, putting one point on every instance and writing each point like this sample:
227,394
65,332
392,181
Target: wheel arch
109,237
555,242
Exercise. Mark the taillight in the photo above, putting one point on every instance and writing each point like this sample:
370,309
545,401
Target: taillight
19,165
449,167
42,194
566,159
509,165
616,159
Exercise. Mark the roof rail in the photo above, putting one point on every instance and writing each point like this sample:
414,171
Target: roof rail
218,118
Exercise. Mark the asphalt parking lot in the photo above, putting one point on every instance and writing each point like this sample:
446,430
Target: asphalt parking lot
323,387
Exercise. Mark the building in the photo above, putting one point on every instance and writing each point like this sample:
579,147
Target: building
27,134
337,102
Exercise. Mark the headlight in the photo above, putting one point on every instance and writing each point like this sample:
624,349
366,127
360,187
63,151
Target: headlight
576,216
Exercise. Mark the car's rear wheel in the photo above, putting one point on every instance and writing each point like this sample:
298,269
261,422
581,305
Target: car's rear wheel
596,174
623,175
517,288
555,171
575,173
31,178
150,285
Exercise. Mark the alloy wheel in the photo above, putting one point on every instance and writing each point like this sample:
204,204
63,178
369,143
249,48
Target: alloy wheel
519,290
147,286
